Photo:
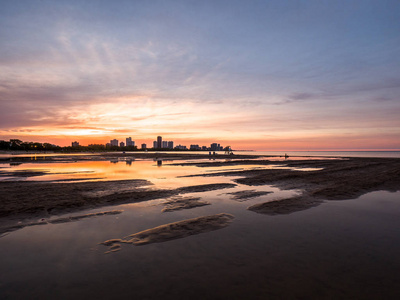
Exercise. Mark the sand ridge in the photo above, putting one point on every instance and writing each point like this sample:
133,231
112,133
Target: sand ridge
171,231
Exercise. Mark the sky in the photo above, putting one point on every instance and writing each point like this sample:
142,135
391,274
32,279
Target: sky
262,75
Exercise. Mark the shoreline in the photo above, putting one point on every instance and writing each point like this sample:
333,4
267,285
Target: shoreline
99,156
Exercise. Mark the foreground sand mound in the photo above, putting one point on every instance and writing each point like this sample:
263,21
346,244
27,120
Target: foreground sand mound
172,231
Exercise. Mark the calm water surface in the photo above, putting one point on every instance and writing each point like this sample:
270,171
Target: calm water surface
338,250
161,173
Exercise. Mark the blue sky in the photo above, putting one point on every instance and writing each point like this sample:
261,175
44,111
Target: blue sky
263,74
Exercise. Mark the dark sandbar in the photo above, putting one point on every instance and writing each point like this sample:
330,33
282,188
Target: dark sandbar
248,194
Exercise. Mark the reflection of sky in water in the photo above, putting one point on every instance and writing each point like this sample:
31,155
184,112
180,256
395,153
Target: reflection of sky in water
162,174
334,250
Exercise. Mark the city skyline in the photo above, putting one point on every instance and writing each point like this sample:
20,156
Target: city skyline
261,75
159,143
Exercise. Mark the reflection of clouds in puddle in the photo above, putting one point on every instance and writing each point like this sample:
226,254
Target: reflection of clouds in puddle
103,170
168,176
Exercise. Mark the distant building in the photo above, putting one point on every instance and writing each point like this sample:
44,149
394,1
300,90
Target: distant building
159,142
114,142
144,146
122,144
155,146
129,142
164,144
204,148
216,147
180,147
195,147
75,144
170,145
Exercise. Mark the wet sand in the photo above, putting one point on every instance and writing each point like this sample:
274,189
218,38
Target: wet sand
179,202
172,231
339,179
331,179
331,251
33,200
241,196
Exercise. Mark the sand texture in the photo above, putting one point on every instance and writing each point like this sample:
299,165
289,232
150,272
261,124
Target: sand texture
319,180
241,196
42,199
284,206
330,179
179,202
173,231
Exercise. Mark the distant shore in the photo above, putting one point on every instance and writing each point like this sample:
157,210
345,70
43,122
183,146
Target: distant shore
82,156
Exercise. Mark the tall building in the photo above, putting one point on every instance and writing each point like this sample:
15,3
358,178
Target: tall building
75,144
159,142
114,142
165,144
129,142
216,147
144,146
155,146
170,145
122,144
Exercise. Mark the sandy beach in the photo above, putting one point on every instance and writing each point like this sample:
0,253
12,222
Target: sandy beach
199,226
330,179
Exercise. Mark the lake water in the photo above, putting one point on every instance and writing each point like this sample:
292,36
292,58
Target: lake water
338,250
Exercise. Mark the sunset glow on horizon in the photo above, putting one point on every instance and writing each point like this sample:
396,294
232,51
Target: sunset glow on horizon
260,75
